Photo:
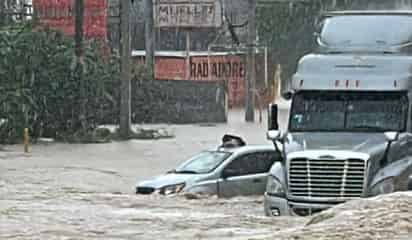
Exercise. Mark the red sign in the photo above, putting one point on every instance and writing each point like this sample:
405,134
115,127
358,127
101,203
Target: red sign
167,68
60,14
231,69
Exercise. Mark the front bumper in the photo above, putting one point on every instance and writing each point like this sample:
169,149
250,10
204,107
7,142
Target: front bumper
276,206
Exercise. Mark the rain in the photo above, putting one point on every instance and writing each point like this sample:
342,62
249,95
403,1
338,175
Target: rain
212,119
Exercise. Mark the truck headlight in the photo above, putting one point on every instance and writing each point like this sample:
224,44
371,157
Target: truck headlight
274,187
172,189
385,186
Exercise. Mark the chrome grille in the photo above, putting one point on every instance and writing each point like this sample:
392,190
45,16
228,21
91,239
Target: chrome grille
325,178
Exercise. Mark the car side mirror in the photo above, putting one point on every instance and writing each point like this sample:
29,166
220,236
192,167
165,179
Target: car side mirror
273,123
392,136
287,95
229,173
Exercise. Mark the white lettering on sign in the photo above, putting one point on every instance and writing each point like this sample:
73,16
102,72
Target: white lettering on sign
187,13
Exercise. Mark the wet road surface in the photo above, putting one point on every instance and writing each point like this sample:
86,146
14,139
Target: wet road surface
71,191
74,203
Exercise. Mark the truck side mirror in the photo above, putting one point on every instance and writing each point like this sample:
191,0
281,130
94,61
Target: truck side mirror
316,35
410,183
391,136
319,22
274,135
273,123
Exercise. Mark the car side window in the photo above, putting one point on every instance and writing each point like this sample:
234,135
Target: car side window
242,165
265,160
252,163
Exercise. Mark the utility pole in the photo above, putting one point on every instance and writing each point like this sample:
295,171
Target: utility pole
2,13
125,71
250,63
78,62
35,17
188,47
149,37
7,7
78,38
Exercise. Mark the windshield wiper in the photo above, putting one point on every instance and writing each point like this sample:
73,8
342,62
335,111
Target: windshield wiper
366,127
183,171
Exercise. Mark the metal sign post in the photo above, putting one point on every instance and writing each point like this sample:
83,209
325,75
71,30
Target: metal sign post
251,64
125,72
150,39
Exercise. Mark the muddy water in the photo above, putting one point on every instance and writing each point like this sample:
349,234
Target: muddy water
72,203
69,191
67,203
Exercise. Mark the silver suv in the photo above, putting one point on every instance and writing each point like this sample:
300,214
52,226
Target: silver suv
230,170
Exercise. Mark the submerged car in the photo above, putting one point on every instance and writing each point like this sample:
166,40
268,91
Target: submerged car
232,169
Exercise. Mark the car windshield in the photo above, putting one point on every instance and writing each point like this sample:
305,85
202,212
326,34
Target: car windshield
367,30
204,162
349,111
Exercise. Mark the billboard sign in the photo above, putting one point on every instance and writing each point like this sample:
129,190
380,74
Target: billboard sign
187,13
59,14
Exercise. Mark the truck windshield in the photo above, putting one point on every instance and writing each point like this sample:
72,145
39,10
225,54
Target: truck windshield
367,30
349,111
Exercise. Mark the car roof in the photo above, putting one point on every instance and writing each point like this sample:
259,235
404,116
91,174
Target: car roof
247,148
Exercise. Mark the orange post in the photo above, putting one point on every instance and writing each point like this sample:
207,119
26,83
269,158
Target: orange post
26,140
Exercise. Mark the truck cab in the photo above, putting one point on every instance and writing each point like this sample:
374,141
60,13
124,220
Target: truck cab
350,124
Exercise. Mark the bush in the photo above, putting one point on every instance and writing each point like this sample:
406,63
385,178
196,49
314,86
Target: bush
40,89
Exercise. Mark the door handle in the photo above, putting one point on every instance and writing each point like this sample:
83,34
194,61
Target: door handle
257,180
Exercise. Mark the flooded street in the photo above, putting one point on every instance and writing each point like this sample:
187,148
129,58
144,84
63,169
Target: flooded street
72,203
67,191
224,78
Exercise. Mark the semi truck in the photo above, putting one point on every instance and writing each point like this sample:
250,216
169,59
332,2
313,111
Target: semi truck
349,133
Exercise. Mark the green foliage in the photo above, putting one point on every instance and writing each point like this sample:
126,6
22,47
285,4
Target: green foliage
40,89
142,73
